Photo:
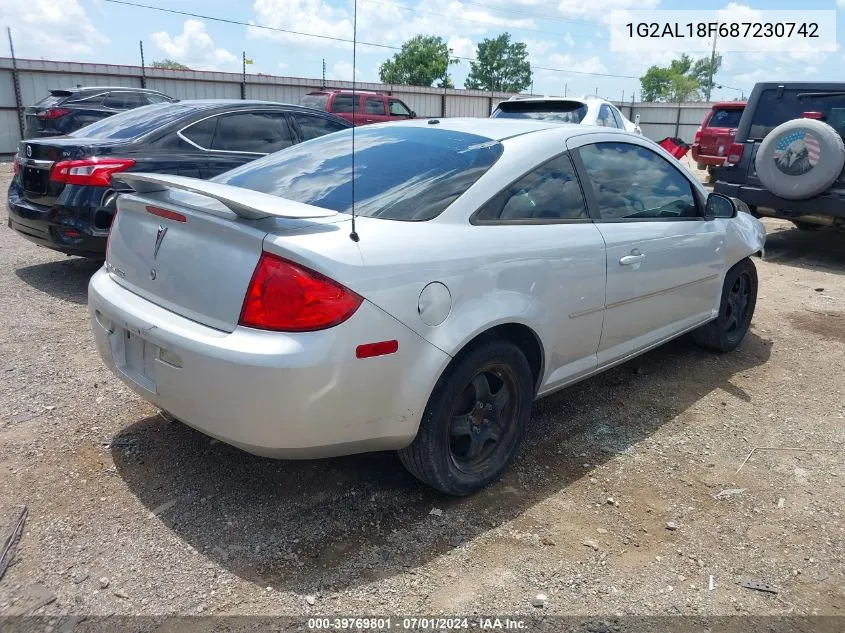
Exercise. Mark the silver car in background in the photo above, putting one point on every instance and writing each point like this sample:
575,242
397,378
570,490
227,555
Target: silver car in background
492,262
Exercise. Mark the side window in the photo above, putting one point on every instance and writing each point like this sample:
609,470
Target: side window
605,117
154,98
397,108
202,132
124,100
87,99
549,192
255,132
632,182
344,103
617,116
374,106
314,126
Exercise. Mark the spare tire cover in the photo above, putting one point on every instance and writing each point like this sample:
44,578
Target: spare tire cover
800,159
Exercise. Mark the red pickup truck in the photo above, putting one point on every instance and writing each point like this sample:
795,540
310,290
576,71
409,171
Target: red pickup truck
362,108
716,134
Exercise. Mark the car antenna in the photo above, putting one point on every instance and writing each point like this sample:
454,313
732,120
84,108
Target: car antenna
354,234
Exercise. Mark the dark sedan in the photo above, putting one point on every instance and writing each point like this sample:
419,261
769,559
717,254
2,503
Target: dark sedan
65,111
64,190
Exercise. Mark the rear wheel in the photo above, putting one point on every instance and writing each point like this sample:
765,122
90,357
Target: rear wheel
739,297
474,420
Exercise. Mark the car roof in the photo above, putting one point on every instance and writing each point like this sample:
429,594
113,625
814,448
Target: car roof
728,104
229,104
495,129
803,85
519,99
329,91
95,88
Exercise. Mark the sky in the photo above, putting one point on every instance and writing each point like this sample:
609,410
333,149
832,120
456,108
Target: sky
570,38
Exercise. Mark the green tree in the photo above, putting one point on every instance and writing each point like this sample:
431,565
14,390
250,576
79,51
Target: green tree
500,65
683,80
422,60
169,63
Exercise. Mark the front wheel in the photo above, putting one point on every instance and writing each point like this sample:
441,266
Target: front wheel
739,297
474,420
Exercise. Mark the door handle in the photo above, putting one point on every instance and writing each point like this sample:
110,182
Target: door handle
630,260
368,120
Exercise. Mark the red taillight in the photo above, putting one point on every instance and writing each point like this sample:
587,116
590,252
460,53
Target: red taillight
52,113
735,154
287,297
818,116
89,171
16,165
697,136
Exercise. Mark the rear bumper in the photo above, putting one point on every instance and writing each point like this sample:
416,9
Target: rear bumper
706,159
274,394
832,205
40,225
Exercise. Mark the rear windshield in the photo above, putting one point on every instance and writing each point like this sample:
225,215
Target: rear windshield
401,173
556,111
48,102
318,102
725,117
771,111
135,123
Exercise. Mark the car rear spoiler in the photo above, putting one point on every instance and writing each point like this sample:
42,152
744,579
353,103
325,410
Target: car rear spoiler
245,203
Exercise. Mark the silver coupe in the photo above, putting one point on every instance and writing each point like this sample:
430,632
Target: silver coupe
490,262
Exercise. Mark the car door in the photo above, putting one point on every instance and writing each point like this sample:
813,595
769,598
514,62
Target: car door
374,110
231,139
347,107
397,110
664,260
565,270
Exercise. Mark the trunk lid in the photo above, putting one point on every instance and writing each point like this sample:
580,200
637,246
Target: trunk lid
191,246
37,157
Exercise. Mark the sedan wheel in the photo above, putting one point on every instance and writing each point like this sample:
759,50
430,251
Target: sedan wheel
474,420
739,297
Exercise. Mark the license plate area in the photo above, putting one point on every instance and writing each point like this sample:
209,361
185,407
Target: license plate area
135,357
35,180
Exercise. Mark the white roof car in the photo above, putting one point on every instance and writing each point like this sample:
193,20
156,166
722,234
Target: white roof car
586,110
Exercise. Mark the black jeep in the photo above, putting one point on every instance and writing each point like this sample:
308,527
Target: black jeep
788,155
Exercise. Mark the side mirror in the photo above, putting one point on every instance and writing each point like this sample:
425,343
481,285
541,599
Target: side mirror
719,206
413,114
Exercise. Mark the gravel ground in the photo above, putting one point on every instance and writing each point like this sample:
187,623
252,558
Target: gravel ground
608,509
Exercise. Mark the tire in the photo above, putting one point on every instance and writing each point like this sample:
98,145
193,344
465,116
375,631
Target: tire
725,333
800,159
454,451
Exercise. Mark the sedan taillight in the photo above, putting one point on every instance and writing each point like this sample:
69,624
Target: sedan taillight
89,171
286,297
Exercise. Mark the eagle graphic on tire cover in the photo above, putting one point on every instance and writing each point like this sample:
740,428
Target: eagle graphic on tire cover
797,153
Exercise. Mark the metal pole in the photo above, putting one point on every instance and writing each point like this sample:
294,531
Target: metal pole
565,86
678,121
712,65
243,78
143,70
16,83
324,74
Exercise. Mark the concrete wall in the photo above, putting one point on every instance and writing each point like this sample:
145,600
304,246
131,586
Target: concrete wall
38,77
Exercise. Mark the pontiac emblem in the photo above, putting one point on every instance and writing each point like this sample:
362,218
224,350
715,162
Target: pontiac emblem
162,231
